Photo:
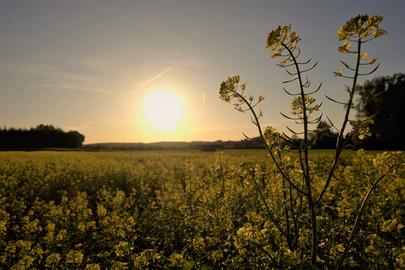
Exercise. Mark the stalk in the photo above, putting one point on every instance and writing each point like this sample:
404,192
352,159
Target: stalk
305,169
340,144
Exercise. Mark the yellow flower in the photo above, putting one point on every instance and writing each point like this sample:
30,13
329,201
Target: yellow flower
50,227
345,47
340,248
176,259
341,33
364,56
22,244
121,249
4,218
3,226
93,266
87,213
361,27
217,255
11,248
61,235
52,259
119,198
101,211
119,266
338,73
32,226
91,224
74,256
280,38
81,226
198,243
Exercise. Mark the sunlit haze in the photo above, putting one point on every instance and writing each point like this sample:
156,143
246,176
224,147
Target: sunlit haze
143,71
162,110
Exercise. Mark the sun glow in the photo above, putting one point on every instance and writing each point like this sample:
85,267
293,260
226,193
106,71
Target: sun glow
163,110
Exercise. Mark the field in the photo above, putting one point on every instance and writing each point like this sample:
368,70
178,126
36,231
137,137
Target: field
192,210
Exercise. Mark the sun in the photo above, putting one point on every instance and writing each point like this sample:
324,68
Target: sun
163,110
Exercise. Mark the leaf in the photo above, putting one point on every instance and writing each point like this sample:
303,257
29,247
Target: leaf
338,73
341,33
345,48
372,61
380,33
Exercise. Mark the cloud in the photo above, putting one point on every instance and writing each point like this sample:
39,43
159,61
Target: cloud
154,78
59,72
53,77
6,36
68,87
14,36
36,27
95,64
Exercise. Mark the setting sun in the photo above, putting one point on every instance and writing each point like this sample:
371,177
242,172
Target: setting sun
163,110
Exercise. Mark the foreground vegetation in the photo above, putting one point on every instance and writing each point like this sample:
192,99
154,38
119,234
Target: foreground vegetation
304,182
190,210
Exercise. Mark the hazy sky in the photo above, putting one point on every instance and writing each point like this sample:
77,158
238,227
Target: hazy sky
89,65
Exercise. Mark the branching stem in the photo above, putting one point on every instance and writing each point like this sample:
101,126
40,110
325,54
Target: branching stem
278,165
340,143
306,171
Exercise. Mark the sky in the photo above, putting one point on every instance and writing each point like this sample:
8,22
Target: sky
90,65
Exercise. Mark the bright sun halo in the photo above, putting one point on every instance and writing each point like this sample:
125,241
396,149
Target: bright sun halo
163,110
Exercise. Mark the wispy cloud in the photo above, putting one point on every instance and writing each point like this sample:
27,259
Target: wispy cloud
14,36
68,87
154,78
34,26
54,77
62,73
5,36
97,64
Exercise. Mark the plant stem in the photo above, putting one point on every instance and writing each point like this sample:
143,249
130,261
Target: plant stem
339,144
305,168
278,166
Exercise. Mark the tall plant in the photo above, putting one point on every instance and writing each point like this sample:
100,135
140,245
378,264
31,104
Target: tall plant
298,188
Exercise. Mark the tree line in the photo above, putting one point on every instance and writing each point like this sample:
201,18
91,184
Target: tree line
40,137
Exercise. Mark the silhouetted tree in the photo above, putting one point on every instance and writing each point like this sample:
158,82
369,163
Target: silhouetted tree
295,142
42,136
323,137
382,99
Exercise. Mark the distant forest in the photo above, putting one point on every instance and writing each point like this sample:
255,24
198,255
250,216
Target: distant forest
326,140
40,137
194,145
